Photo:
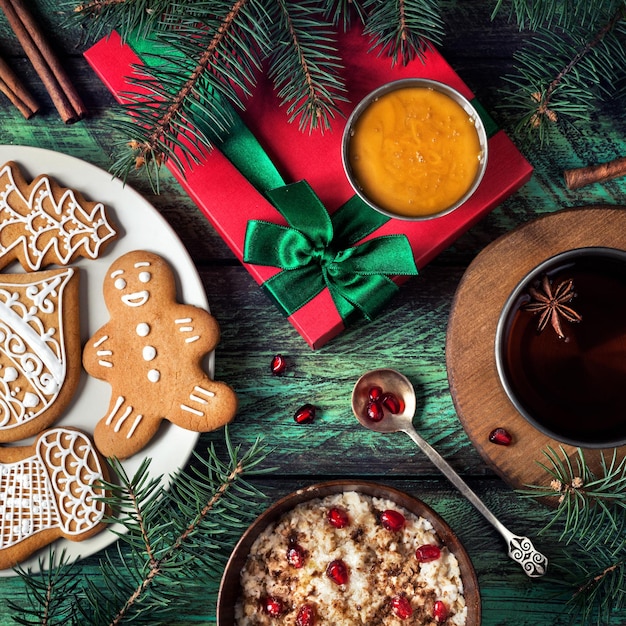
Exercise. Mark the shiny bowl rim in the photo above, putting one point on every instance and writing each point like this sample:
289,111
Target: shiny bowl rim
501,337
444,88
229,585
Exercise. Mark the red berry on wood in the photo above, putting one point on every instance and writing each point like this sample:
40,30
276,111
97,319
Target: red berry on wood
427,553
392,520
501,436
278,364
338,517
306,615
401,607
337,571
305,414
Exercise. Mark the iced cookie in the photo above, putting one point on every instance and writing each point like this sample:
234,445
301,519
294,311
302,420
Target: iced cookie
42,223
40,351
151,352
47,491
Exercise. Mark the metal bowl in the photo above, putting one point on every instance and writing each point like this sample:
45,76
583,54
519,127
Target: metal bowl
533,365
230,588
401,84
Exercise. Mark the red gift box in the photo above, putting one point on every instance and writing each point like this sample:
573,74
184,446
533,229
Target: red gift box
229,201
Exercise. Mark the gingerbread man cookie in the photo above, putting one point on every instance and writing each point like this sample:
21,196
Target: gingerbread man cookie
151,352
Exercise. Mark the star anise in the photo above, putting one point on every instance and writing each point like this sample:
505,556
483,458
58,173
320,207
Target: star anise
550,302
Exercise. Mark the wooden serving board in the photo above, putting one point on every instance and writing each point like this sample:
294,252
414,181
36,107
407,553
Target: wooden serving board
479,398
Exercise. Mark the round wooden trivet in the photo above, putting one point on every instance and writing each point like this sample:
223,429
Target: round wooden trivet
478,396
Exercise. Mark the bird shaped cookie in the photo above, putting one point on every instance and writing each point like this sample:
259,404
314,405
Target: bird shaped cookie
150,352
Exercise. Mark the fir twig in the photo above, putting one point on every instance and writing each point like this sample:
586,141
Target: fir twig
575,56
591,515
51,595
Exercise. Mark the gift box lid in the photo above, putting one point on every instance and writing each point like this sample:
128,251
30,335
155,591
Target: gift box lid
229,200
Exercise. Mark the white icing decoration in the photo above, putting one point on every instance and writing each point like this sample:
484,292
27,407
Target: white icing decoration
63,227
203,391
144,277
139,298
34,347
105,363
116,408
149,353
100,341
116,273
142,264
154,376
192,339
183,320
186,329
133,428
53,488
119,283
184,407
30,400
143,329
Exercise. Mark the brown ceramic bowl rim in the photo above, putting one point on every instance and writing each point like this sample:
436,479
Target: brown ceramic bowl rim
427,83
230,586
509,309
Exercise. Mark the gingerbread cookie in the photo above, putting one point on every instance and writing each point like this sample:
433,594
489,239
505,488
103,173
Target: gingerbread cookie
43,223
150,352
47,491
40,352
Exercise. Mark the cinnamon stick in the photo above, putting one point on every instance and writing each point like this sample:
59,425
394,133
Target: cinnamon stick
14,90
581,176
57,83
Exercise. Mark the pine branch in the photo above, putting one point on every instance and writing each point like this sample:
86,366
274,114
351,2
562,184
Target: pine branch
564,70
591,515
403,29
51,595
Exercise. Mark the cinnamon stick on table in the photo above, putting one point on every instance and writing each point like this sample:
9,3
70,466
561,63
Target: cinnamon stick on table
12,88
581,176
62,92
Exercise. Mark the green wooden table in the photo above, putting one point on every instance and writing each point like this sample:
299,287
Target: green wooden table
410,335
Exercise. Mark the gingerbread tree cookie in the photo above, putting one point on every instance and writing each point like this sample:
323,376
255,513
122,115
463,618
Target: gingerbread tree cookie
151,352
43,223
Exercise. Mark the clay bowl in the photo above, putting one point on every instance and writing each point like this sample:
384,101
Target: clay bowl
230,586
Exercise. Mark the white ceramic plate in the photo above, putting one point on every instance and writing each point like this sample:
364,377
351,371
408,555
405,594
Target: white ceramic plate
140,227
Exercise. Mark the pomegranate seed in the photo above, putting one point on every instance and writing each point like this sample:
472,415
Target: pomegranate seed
401,607
374,411
427,553
440,611
375,393
500,436
337,571
392,520
296,555
278,364
306,615
272,606
338,517
305,414
392,403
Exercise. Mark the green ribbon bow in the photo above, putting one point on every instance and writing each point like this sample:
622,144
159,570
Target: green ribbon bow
315,251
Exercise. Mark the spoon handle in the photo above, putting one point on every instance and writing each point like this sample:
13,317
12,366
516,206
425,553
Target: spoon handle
521,549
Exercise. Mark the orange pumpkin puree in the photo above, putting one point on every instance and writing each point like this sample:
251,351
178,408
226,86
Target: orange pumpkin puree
414,151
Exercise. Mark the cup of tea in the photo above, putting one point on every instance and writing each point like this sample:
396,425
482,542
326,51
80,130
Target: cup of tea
414,149
561,347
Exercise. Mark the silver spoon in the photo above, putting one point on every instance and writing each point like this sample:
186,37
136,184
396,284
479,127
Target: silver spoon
521,549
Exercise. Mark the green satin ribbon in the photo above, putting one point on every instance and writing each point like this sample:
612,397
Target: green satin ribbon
314,255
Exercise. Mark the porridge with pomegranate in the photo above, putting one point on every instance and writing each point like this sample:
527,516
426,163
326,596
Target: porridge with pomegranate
346,560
